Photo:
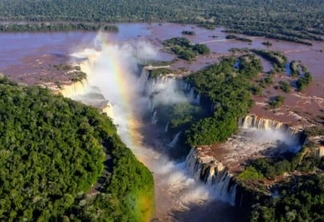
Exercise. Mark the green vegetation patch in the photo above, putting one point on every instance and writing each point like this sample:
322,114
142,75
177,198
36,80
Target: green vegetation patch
303,161
229,89
284,86
74,73
294,68
154,73
277,101
51,27
300,199
53,150
267,81
279,20
182,113
235,37
267,43
183,48
276,58
185,32
304,81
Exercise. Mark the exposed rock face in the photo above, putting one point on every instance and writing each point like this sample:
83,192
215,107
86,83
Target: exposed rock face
213,173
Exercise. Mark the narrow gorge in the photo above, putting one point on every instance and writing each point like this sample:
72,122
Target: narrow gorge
152,115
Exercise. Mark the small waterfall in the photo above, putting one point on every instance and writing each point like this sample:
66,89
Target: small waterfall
212,108
237,64
175,140
288,69
167,127
188,86
261,123
223,188
183,85
233,195
151,105
75,88
154,118
197,99
143,77
295,137
213,173
192,94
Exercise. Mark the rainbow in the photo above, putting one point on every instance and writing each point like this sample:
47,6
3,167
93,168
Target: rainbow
119,75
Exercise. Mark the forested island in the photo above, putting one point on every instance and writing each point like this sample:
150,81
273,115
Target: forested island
63,161
292,20
184,49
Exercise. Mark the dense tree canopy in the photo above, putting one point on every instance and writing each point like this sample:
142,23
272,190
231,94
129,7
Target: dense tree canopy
293,20
228,88
300,200
53,151
184,49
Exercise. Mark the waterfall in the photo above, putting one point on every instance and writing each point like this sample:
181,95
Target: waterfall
293,137
175,140
213,173
223,188
288,69
261,123
212,107
154,118
167,127
143,77
74,88
237,64
151,105
192,94
197,99
183,85
188,86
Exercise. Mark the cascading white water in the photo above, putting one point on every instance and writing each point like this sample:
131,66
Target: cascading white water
175,187
261,123
256,136
212,107
208,170
150,106
143,78
164,91
191,96
175,140
275,129
167,127
197,99
154,118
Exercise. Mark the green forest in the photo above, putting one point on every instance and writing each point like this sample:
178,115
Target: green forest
54,151
42,27
229,89
302,200
184,49
292,20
